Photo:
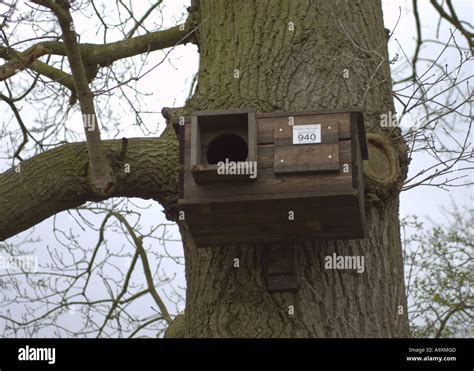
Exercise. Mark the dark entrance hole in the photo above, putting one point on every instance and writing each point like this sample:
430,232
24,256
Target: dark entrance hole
224,146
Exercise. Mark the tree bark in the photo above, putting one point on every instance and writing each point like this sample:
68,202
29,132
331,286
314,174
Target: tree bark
57,180
290,70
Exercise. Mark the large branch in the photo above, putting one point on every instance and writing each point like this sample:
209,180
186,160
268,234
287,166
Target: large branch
94,54
57,180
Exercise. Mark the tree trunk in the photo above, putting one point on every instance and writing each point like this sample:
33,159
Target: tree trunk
293,56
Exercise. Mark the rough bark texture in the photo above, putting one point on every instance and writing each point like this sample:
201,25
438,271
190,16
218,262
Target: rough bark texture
284,70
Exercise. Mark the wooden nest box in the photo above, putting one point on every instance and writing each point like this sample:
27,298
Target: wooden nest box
249,177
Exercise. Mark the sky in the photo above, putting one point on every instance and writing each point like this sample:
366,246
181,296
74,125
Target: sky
425,201
168,85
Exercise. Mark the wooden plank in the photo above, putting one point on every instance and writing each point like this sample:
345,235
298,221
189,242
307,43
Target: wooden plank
304,207
317,221
187,135
275,202
251,137
345,157
265,131
325,200
313,221
207,174
266,121
355,158
341,119
195,142
268,182
309,112
357,119
278,261
267,217
282,282
306,214
280,269
306,158
283,134
314,183
176,123
232,111
265,156
273,231
337,209
181,131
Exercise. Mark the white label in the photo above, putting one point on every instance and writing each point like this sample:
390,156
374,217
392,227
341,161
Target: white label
304,134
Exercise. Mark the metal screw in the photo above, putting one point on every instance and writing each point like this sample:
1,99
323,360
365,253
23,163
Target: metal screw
282,161
330,156
280,129
329,127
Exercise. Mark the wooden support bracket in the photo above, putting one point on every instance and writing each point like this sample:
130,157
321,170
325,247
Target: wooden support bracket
280,269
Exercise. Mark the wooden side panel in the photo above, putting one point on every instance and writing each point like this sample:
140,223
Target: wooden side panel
357,119
252,137
187,135
195,142
181,133
269,221
306,158
355,160
358,181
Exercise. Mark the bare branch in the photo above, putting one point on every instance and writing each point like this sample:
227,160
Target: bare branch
94,54
101,173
